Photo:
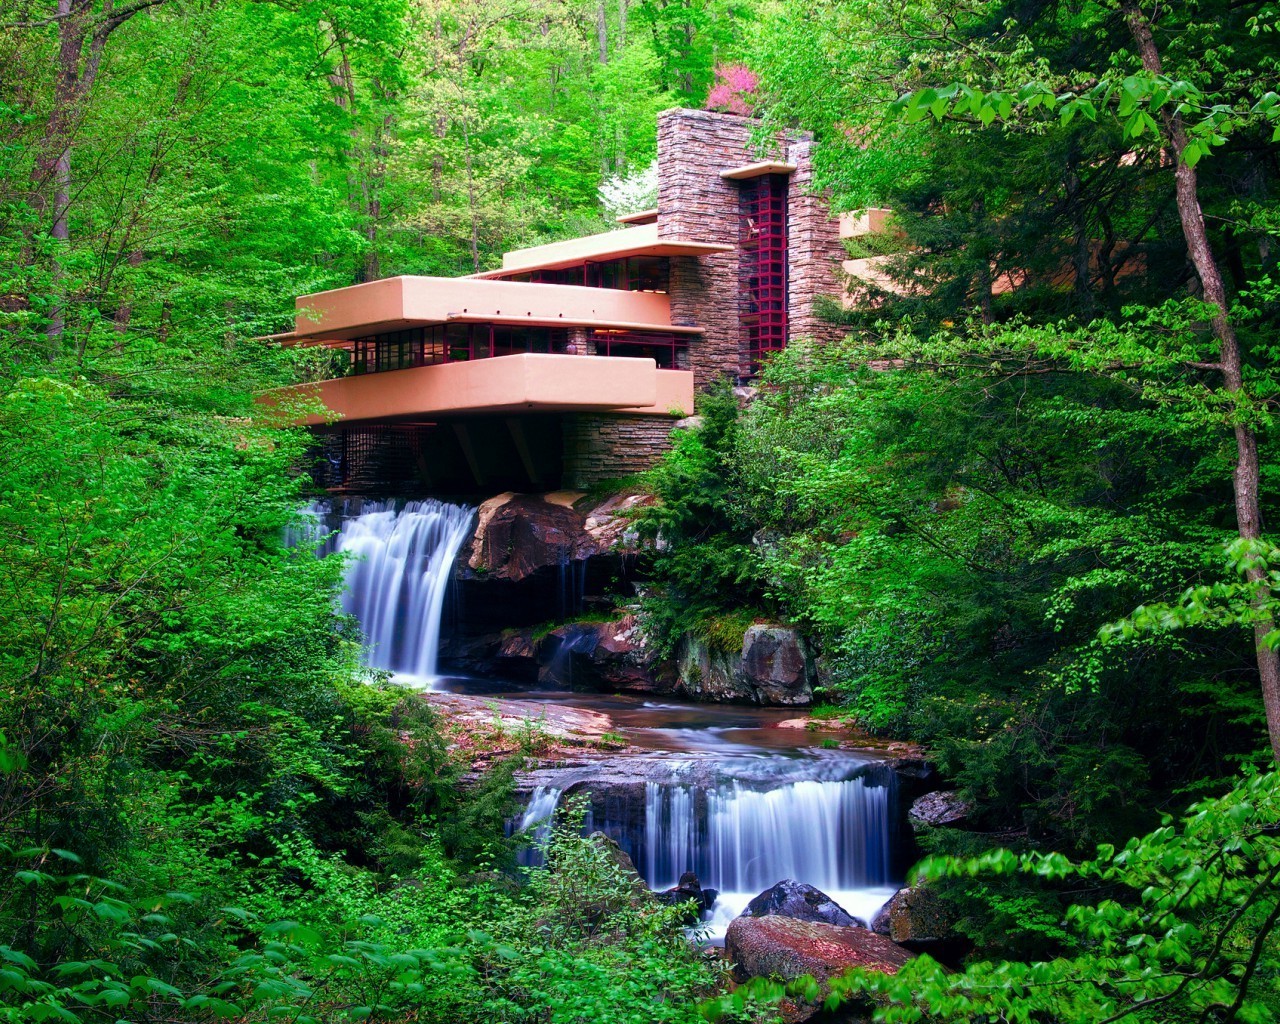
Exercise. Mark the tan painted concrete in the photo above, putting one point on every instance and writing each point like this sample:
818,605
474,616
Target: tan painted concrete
674,395
871,221
757,170
398,302
641,240
639,217
520,383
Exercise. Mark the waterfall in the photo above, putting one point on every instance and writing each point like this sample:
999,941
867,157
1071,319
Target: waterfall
399,571
833,835
742,837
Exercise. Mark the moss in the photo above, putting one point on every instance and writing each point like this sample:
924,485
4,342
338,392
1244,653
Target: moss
723,631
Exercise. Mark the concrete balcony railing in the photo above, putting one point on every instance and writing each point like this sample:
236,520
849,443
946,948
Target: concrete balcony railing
397,303
530,382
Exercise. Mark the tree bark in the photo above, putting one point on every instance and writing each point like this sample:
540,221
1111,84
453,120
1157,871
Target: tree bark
602,32
77,71
1245,477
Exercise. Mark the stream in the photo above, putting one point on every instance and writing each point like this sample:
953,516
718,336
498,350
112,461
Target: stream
725,791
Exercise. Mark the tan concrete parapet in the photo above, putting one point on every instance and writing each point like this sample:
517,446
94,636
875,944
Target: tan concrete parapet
641,240
872,221
639,217
529,382
395,303
757,170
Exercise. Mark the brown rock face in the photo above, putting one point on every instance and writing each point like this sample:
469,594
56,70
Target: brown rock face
786,948
773,668
776,664
524,534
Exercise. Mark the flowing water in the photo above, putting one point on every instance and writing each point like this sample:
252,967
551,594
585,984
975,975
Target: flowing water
399,571
717,790
741,803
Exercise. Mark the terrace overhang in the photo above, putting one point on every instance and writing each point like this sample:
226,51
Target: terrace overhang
641,240
398,303
524,383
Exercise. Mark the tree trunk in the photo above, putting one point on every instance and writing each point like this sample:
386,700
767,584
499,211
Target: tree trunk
471,199
622,23
1245,477
602,33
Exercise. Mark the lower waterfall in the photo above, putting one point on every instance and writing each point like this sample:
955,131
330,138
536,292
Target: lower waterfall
398,574
743,837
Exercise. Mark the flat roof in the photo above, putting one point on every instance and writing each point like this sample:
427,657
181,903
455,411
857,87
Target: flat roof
757,169
639,217
640,240
397,303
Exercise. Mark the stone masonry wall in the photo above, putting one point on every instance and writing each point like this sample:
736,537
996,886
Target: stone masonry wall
603,447
695,203
814,249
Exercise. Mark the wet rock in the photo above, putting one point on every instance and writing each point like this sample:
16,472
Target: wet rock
690,891
939,809
773,667
775,661
611,523
802,902
519,534
915,917
608,656
786,948
705,673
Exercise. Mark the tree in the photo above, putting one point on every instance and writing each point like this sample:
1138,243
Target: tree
972,70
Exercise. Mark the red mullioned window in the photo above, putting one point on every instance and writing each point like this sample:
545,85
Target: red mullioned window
451,343
762,269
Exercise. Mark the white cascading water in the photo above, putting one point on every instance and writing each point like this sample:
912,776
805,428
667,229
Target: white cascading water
398,573
834,835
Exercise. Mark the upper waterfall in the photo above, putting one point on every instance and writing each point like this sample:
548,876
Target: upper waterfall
398,574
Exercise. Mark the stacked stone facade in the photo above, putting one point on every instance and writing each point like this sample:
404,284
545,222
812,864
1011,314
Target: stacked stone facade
605,447
695,203
814,247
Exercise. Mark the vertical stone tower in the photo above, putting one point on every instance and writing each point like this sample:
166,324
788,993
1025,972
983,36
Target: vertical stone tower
715,186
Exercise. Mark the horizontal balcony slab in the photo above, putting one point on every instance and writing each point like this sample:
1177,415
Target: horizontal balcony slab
397,303
529,382
641,240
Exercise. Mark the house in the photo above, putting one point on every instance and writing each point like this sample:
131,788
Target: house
572,362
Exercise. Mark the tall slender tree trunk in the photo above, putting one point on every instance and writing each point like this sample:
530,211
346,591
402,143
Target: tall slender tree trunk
602,32
471,198
622,23
1245,477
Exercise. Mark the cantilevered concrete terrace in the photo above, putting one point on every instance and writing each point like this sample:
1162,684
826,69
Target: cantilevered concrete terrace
639,241
528,382
396,303
424,346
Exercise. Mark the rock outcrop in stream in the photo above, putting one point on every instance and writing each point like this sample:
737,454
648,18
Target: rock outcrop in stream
535,558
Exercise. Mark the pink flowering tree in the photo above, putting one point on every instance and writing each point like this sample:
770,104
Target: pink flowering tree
734,91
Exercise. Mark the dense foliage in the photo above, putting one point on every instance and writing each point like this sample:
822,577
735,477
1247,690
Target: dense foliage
209,808
1000,510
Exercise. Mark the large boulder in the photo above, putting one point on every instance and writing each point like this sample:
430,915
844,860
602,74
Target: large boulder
939,809
919,920
772,667
611,655
776,663
786,948
801,902
519,534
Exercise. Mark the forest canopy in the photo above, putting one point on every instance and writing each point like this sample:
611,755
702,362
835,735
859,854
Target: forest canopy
1023,511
